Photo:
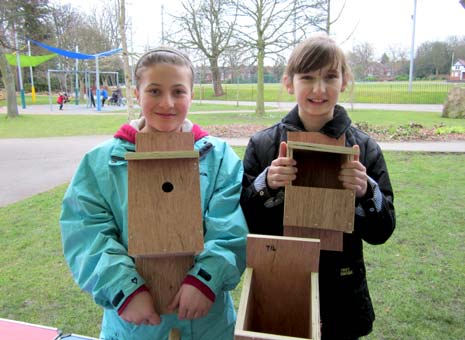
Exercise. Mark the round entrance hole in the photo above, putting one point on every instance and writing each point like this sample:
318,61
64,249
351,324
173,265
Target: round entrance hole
167,187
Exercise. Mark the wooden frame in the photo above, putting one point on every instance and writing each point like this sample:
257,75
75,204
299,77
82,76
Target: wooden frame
280,296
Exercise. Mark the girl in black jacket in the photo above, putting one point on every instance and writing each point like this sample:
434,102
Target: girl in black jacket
316,74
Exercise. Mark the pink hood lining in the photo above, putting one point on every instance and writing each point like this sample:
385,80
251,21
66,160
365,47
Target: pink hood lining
128,133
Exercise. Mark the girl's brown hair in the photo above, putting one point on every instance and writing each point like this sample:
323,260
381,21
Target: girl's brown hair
163,55
315,53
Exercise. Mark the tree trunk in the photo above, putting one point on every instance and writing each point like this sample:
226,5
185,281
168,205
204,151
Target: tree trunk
9,83
127,68
260,103
216,77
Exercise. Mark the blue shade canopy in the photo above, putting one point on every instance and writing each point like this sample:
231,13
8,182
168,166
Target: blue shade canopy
76,55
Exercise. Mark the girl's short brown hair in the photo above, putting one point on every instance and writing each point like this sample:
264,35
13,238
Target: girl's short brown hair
163,55
315,53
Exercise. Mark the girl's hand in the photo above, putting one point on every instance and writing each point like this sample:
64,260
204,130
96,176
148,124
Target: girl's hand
140,310
191,303
353,175
282,170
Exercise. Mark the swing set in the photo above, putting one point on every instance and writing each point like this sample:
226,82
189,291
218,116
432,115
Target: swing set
70,54
88,77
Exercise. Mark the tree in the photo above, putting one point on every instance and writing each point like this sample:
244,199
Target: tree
127,69
398,60
432,58
269,28
18,18
360,58
207,26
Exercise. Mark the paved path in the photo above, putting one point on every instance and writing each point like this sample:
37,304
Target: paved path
71,108
33,165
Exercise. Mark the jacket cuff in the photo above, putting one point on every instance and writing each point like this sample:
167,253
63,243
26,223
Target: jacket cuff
193,281
141,289
260,185
372,202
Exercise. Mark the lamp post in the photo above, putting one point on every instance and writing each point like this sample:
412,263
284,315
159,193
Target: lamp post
20,77
412,47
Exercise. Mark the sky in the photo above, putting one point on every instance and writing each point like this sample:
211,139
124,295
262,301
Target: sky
382,23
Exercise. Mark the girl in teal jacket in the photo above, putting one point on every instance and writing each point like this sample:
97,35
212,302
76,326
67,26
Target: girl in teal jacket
94,219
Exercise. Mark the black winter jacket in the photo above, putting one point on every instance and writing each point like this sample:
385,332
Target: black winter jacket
345,305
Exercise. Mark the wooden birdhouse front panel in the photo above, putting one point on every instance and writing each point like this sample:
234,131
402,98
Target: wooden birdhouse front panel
164,209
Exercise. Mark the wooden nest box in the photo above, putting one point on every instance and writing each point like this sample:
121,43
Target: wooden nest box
280,298
165,228
316,205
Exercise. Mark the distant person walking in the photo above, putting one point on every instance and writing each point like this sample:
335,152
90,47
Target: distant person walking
91,95
104,94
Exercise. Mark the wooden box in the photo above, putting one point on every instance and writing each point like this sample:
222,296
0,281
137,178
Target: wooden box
316,200
279,298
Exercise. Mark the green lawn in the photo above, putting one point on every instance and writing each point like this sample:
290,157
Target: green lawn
416,278
423,92
27,125
395,92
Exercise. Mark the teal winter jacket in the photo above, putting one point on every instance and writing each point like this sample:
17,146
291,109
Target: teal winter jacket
94,226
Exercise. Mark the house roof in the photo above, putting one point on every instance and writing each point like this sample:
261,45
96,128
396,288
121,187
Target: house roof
460,61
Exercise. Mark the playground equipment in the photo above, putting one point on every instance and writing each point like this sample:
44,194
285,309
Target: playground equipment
87,83
77,55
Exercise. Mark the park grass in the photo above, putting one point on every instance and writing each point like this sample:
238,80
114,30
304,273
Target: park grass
33,125
42,99
394,92
416,278
422,92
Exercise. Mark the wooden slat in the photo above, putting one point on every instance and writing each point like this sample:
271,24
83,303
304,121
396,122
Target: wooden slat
163,277
321,148
315,137
161,155
248,335
164,141
329,239
245,310
315,330
331,209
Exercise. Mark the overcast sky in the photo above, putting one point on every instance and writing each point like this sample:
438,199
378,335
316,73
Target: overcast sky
382,23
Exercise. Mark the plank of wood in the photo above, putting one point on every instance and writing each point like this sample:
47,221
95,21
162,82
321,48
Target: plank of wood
331,209
281,285
329,239
245,310
321,148
164,141
163,277
164,207
315,330
249,335
160,155
175,334
315,137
